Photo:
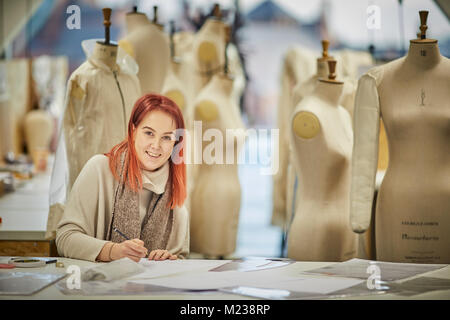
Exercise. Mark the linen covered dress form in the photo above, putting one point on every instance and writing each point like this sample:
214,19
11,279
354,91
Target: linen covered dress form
149,46
320,230
299,92
412,216
97,109
297,70
216,197
208,58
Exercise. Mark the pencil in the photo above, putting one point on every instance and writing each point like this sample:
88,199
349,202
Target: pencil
119,232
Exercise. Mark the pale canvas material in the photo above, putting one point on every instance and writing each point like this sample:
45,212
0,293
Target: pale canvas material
300,91
192,74
15,103
411,95
149,46
320,230
215,211
299,66
95,120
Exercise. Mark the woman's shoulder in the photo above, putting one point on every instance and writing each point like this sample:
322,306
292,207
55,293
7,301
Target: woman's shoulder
98,161
98,165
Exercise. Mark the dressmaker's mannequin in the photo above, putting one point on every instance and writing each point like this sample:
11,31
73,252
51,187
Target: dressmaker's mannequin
298,93
149,46
298,78
208,48
178,87
100,96
98,89
298,65
173,87
412,96
38,127
216,196
321,135
302,90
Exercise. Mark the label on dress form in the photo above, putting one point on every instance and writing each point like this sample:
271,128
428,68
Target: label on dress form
421,234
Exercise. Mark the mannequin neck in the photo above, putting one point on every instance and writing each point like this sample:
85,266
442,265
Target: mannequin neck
423,55
106,54
136,20
331,92
214,26
322,68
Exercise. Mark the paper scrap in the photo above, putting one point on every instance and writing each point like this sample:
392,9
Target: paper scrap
388,271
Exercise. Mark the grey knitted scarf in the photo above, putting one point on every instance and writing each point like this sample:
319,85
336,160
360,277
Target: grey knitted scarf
157,224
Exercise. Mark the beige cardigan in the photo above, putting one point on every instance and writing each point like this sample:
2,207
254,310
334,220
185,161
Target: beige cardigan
82,229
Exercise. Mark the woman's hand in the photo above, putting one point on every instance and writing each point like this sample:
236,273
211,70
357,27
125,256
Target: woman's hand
133,249
160,255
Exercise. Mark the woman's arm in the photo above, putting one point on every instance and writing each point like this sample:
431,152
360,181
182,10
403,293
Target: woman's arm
179,238
77,234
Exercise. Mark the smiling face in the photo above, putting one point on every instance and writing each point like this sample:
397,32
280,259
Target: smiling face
154,139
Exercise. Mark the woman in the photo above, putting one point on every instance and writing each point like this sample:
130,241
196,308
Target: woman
129,202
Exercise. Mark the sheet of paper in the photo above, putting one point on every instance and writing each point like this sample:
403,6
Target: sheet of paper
388,271
302,284
114,288
253,264
257,279
118,269
191,281
271,294
155,269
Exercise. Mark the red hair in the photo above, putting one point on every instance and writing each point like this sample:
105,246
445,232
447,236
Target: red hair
144,105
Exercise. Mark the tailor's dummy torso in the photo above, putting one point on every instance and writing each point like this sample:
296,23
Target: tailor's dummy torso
178,88
216,197
413,206
299,92
208,48
106,53
173,87
94,94
149,46
321,135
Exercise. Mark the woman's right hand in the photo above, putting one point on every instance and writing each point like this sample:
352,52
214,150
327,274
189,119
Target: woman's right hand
133,249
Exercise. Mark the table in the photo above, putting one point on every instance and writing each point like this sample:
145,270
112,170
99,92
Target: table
52,292
24,215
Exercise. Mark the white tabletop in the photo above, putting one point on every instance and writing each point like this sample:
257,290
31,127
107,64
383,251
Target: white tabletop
24,212
52,292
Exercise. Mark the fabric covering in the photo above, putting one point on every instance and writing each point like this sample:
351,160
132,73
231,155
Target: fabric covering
155,227
98,104
297,80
